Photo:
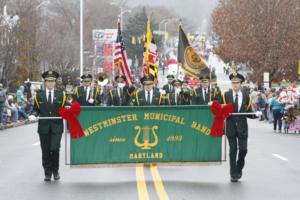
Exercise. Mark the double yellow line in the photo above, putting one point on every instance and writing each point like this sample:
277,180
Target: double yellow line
142,186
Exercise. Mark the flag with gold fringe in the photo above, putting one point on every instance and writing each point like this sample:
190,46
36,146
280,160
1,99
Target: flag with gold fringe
150,62
188,59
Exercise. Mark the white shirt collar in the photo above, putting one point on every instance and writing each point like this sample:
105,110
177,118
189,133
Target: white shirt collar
52,94
151,95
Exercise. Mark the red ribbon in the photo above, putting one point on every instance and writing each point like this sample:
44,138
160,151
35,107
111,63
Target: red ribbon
71,115
221,113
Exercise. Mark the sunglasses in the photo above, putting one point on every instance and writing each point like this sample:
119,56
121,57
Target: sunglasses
86,81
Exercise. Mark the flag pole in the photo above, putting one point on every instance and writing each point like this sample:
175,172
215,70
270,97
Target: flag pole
210,85
180,25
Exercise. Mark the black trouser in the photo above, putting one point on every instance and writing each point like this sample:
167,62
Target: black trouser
277,118
50,144
237,144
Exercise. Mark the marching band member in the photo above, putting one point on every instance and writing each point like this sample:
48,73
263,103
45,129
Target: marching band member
148,96
46,104
84,94
120,95
202,94
237,126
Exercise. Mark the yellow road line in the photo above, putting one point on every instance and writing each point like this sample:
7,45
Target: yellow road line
141,183
159,186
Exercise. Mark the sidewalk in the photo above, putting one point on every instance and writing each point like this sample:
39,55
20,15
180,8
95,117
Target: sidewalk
13,125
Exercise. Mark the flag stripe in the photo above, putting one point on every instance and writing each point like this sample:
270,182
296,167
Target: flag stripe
120,58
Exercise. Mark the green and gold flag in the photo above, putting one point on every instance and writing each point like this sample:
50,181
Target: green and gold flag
188,59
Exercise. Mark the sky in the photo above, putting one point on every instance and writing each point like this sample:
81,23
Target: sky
198,11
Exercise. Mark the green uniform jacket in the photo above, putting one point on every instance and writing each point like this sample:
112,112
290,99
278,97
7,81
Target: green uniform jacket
115,100
216,95
167,88
140,99
80,96
237,126
184,98
198,97
44,109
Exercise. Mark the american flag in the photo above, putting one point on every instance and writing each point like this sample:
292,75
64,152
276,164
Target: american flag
120,57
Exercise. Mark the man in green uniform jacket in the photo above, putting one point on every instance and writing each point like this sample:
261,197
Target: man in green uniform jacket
46,104
120,95
202,94
169,87
237,126
148,96
85,94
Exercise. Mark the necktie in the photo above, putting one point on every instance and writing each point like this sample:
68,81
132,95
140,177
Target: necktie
120,97
205,95
171,88
84,94
148,98
236,103
49,97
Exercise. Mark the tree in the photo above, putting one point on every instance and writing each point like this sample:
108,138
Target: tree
134,35
262,34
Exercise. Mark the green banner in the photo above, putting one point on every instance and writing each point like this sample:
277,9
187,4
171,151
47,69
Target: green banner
122,135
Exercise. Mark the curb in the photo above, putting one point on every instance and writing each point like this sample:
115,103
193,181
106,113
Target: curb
14,125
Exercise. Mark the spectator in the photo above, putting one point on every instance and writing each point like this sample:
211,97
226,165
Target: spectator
260,105
270,113
2,102
254,98
12,108
265,111
29,105
27,89
277,108
21,100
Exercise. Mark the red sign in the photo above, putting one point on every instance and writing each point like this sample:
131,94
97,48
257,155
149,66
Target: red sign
107,66
107,50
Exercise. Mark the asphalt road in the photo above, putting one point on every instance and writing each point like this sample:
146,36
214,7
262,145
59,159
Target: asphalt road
272,172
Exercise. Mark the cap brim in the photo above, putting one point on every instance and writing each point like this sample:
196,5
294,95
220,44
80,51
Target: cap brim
50,79
148,83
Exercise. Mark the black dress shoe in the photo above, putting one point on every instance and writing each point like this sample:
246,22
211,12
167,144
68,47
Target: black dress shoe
239,175
56,176
47,178
234,179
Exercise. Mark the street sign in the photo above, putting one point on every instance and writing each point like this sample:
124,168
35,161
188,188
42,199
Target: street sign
157,32
105,35
266,77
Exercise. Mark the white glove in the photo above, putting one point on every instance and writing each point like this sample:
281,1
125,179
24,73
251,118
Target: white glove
91,100
32,118
210,103
258,113
163,92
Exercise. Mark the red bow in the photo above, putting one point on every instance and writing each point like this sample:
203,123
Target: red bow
71,115
221,113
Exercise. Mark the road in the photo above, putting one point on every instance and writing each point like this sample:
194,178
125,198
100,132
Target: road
272,172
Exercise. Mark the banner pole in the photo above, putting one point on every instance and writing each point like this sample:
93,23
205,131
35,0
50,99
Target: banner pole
253,113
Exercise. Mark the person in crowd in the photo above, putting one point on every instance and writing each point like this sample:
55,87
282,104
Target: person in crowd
277,108
2,102
12,108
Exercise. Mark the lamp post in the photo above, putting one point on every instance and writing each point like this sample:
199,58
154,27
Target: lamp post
122,11
81,38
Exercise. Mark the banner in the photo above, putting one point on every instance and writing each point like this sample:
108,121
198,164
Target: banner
165,134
